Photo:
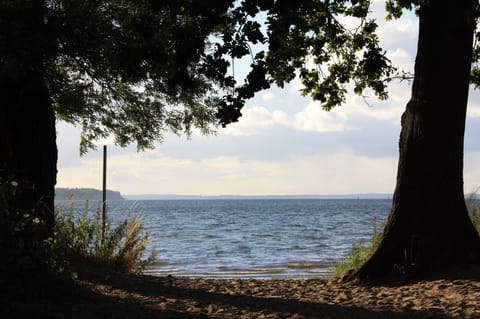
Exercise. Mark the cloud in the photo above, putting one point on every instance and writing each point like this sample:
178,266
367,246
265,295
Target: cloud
255,118
473,107
397,32
473,111
388,110
471,172
268,96
314,118
338,172
402,59
335,173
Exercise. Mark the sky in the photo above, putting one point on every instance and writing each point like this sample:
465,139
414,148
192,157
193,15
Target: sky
284,144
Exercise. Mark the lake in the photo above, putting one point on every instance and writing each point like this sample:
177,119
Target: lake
252,238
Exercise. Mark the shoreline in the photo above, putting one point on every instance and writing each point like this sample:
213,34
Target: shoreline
142,296
291,270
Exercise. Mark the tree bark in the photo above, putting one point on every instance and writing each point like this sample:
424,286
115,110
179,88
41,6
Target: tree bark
28,152
429,229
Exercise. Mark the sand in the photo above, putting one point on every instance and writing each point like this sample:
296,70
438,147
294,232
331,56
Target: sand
133,296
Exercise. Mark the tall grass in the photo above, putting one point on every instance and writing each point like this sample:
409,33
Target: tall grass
473,206
79,235
359,254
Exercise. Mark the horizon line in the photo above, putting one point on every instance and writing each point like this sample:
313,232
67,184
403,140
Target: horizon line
353,195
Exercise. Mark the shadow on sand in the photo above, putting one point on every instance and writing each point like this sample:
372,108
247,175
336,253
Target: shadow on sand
131,296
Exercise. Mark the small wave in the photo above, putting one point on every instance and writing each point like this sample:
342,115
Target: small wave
210,236
324,271
162,272
303,265
159,263
244,272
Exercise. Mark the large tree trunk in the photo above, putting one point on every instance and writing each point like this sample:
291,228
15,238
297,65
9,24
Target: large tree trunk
28,152
428,229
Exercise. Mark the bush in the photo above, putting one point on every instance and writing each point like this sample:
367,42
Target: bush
79,235
29,261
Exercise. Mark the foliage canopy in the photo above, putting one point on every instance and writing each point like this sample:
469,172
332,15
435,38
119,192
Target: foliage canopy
135,69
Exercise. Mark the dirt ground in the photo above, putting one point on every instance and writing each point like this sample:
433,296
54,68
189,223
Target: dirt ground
134,296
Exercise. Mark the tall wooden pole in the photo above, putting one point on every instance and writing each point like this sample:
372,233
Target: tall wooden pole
104,193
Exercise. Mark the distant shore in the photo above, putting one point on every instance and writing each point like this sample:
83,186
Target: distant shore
306,196
85,194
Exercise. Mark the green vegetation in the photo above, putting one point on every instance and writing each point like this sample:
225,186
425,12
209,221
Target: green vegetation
30,260
474,209
32,265
79,236
358,255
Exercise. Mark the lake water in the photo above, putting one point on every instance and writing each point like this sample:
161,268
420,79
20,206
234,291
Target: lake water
254,238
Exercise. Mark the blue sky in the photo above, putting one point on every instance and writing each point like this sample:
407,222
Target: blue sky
283,144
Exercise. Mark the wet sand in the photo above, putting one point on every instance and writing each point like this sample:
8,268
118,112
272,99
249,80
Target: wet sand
131,296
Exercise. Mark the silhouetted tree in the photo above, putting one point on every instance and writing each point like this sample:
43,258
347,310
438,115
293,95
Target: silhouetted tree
429,228
131,69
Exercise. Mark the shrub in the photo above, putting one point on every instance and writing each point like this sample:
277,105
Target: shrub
79,235
29,261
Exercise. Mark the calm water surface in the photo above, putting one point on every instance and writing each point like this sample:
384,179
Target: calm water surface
254,238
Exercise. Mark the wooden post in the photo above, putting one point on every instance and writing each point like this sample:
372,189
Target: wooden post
104,193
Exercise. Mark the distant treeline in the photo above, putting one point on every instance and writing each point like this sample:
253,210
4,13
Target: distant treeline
85,194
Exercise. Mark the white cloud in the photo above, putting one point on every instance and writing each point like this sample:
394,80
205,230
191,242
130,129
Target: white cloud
389,110
311,118
402,59
338,172
392,33
473,111
296,86
471,172
335,173
268,96
314,118
255,118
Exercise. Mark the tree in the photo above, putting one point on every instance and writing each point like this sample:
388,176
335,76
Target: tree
132,69
27,122
136,68
428,229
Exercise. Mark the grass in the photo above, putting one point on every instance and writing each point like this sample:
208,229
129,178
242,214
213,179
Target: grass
79,236
358,255
473,206
34,264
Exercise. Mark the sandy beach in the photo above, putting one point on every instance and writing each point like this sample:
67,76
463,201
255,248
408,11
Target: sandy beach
132,296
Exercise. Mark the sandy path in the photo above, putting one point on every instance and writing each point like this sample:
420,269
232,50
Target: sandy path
130,296
201,298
